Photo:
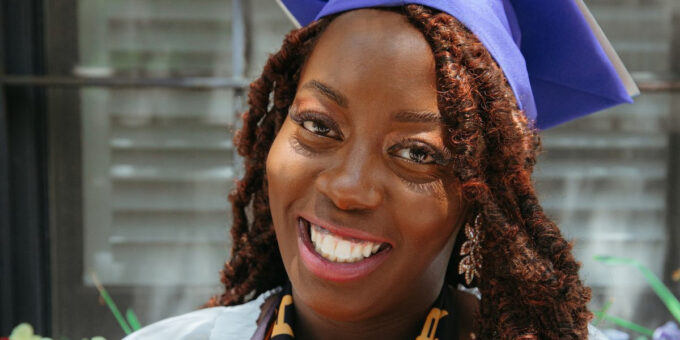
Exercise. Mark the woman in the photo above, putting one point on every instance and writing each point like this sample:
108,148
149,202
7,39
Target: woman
388,165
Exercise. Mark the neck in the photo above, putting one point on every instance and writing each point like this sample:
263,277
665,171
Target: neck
401,323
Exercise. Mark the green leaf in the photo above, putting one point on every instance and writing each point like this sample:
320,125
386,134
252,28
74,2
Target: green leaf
659,288
626,324
132,320
604,311
112,305
23,331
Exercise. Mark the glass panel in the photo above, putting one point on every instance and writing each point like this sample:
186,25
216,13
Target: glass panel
604,178
155,38
158,163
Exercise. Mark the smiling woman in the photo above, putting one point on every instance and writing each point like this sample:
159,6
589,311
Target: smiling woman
351,165
374,137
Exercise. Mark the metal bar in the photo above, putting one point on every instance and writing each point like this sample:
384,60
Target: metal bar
238,42
239,31
187,83
659,85
28,276
657,82
646,84
6,287
672,258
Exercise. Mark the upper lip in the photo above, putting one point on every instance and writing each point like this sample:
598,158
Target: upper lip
344,231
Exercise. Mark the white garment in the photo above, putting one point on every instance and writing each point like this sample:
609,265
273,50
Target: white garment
216,323
228,323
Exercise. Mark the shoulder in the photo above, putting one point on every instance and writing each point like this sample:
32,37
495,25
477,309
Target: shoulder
234,322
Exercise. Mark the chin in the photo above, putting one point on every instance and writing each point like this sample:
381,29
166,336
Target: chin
338,303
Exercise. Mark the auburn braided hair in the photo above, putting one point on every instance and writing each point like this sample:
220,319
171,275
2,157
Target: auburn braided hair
529,279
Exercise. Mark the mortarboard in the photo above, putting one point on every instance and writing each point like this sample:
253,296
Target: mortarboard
554,55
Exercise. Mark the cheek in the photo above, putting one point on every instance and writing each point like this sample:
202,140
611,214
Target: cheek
280,170
289,174
279,173
428,223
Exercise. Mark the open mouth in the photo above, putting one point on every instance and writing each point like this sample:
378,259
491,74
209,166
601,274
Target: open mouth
337,248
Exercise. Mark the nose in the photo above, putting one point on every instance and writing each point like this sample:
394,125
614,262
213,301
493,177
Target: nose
353,182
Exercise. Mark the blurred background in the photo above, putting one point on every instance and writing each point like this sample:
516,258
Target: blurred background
116,121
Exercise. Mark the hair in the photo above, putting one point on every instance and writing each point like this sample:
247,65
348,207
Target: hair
528,280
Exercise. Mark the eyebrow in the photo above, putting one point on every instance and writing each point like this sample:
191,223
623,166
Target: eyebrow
418,117
327,91
401,116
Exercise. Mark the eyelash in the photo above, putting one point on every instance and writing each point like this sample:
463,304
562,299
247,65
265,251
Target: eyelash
301,148
438,156
433,187
301,117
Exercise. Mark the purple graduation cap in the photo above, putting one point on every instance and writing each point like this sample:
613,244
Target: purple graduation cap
556,58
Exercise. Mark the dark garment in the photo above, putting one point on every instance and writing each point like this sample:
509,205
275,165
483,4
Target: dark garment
278,320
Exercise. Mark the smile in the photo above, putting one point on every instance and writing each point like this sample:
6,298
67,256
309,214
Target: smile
339,249
339,254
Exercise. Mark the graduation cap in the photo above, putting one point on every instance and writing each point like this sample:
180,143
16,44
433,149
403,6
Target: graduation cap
553,53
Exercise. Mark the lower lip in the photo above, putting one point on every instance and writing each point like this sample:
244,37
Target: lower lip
334,271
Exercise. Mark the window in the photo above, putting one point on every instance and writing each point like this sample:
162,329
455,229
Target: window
141,100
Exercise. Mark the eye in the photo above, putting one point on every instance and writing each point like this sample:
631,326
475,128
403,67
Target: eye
419,152
316,123
318,128
416,154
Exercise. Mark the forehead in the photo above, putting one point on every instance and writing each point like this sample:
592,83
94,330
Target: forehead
376,51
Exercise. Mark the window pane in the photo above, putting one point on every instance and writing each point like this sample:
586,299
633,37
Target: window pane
604,178
155,38
157,163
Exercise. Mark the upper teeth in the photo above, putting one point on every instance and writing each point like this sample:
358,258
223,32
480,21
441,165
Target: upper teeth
339,249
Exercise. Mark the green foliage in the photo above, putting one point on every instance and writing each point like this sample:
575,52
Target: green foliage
131,317
132,320
659,288
625,324
599,317
24,331
129,324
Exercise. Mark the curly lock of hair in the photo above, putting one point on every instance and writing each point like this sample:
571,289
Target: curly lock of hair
529,279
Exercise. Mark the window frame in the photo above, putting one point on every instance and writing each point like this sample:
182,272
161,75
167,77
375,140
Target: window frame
24,277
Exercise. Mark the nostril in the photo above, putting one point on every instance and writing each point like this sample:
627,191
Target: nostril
349,192
365,198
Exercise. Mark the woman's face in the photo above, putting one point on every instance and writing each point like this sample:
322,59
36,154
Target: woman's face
363,202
